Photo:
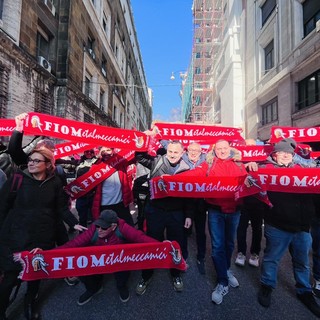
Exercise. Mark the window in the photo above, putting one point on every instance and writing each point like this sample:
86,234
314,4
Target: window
102,98
90,43
115,113
269,57
43,102
1,8
270,111
267,9
311,14
87,118
121,120
4,78
309,91
197,70
43,44
198,55
104,65
87,86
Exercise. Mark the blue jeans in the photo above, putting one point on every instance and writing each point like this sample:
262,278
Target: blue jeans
277,243
222,228
315,233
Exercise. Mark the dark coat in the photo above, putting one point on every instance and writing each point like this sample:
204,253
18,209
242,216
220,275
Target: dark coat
291,212
160,166
28,218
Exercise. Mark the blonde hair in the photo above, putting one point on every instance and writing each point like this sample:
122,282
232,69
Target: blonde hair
48,155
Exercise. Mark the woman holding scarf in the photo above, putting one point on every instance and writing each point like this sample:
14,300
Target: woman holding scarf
31,202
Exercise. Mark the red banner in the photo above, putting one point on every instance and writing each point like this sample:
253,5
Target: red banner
195,187
298,134
295,180
70,148
43,124
7,126
208,134
74,262
254,153
97,174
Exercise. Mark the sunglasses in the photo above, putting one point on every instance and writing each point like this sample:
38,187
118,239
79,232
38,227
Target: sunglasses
35,161
104,229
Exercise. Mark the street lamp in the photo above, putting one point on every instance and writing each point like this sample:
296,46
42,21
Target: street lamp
182,75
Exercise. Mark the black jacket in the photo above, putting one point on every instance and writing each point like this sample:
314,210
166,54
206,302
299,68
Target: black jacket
159,166
291,212
29,216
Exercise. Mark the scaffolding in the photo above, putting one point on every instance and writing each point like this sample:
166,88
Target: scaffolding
207,39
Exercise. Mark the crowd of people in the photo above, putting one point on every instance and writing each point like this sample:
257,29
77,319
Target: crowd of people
35,209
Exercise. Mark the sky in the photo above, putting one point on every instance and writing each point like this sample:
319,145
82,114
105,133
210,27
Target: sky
164,31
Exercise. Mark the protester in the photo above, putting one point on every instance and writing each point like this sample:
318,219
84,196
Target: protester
115,192
194,157
287,225
223,214
252,210
107,230
84,203
28,210
167,214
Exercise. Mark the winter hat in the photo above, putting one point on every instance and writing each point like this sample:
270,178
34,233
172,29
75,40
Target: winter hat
285,145
106,219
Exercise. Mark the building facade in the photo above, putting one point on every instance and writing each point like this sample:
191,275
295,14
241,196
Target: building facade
282,65
77,59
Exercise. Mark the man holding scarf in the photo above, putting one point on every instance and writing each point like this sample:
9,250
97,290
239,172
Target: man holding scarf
287,226
115,192
167,214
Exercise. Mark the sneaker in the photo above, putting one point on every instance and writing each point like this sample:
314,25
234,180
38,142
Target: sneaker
71,281
264,295
310,302
142,286
316,288
177,284
124,294
240,260
232,280
87,296
201,268
254,260
218,293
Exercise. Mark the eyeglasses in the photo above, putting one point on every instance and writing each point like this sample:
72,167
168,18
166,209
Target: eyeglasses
35,161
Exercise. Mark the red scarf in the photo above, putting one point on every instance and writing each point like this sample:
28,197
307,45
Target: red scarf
295,180
45,125
74,262
97,174
195,187
66,149
167,131
7,126
298,134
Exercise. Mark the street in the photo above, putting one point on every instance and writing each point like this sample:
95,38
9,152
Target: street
160,301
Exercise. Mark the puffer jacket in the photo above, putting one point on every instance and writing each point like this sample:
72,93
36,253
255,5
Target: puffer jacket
215,167
123,234
291,212
29,217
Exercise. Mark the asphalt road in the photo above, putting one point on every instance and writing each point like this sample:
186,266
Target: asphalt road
59,301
